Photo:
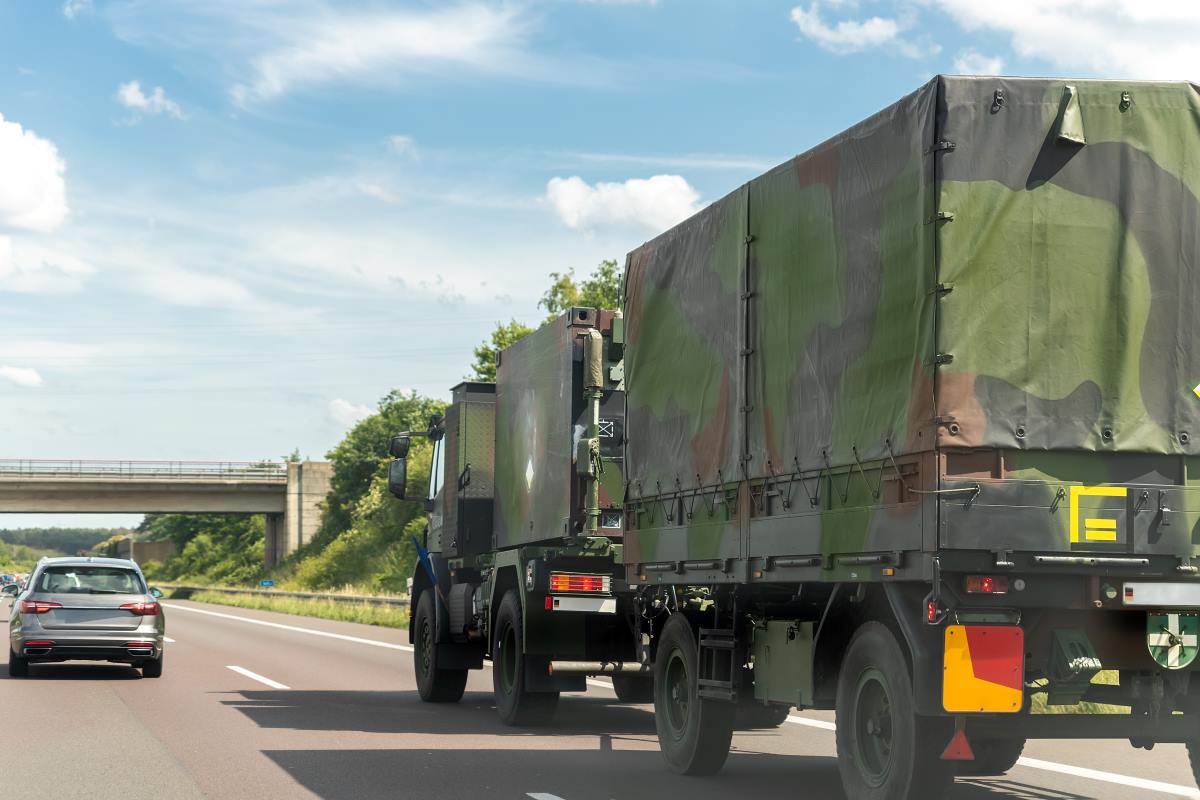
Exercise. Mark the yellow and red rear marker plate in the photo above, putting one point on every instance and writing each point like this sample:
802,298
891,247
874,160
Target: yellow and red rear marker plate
984,669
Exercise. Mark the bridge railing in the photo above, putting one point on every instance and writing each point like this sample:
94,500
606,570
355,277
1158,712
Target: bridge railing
265,471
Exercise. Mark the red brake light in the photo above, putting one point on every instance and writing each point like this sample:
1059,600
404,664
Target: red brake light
149,609
987,584
37,606
570,582
931,611
39,644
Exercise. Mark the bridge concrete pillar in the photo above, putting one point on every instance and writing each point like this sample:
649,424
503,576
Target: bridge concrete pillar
275,540
307,485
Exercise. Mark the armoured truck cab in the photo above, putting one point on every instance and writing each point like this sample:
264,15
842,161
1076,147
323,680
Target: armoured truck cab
521,559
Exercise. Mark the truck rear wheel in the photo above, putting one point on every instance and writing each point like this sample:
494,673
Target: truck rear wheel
992,757
633,689
885,750
693,733
516,705
434,685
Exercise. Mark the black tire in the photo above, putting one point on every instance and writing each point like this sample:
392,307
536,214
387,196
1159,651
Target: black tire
634,688
516,705
885,750
992,757
1193,750
18,667
434,684
693,733
756,715
153,669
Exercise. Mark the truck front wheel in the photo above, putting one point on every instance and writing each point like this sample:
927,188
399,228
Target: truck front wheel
992,757
516,705
633,688
434,685
885,750
693,733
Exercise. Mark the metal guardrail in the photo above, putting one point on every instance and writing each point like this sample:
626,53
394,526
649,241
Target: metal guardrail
264,471
361,599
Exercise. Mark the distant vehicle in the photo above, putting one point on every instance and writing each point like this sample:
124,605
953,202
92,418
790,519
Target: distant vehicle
5,580
86,609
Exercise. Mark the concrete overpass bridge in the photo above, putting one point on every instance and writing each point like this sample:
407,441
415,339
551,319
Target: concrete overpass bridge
288,493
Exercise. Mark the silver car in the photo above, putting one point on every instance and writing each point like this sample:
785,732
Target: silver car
86,609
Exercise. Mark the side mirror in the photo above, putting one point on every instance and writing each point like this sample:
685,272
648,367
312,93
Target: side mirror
11,589
397,477
399,446
155,592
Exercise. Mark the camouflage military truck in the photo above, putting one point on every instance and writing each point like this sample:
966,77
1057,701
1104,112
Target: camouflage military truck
909,435
522,558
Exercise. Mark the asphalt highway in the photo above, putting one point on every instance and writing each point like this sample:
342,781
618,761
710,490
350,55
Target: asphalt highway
263,705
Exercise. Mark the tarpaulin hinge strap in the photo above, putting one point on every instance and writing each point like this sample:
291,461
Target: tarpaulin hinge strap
942,288
941,216
940,145
943,358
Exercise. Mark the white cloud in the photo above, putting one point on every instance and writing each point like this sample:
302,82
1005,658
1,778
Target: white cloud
656,203
1117,38
21,376
185,288
33,268
329,47
73,8
346,414
32,189
972,62
845,36
132,97
404,145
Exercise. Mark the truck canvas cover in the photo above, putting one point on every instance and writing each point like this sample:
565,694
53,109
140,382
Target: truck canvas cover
990,266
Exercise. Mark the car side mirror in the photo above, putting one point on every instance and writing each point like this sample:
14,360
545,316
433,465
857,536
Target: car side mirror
155,592
398,478
11,589
399,446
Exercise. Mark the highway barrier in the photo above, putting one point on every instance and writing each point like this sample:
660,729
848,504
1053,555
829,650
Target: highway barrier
182,592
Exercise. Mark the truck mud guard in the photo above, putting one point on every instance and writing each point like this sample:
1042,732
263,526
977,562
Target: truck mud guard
924,645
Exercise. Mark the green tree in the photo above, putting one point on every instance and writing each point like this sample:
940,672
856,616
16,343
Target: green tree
484,366
601,289
294,455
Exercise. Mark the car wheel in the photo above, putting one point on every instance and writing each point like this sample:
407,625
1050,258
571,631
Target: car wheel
886,751
17,667
153,669
515,704
434,684
634,688
693,733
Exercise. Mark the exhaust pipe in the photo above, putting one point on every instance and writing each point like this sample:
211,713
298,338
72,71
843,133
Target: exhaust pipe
36,651
598,668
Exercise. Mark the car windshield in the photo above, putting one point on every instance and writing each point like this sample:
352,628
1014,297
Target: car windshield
89,580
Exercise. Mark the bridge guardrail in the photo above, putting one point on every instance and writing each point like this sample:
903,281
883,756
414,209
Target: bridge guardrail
373,600
266,471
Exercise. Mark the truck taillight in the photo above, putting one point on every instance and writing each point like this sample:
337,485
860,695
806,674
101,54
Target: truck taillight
987,584
571,582
142,609
37,606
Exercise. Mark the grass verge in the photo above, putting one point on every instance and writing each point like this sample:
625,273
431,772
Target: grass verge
386,616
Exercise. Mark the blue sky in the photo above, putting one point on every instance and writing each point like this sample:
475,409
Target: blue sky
227,228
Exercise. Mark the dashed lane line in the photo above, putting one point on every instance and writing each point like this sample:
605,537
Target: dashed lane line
254,676
542,796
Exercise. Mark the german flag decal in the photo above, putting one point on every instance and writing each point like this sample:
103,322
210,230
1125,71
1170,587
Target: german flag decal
984,669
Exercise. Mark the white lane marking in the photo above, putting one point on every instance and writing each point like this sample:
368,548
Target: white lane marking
601,684
254,676
542,796
168,640
1053,766
812,723
295,628
1110,777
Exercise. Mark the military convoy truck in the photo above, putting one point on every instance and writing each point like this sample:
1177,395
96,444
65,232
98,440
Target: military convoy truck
907,435
522,558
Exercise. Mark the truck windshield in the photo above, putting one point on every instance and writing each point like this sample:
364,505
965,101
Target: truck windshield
89,580
435,469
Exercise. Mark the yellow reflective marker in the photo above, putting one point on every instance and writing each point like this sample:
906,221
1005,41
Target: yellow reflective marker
1196,390
1095,529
